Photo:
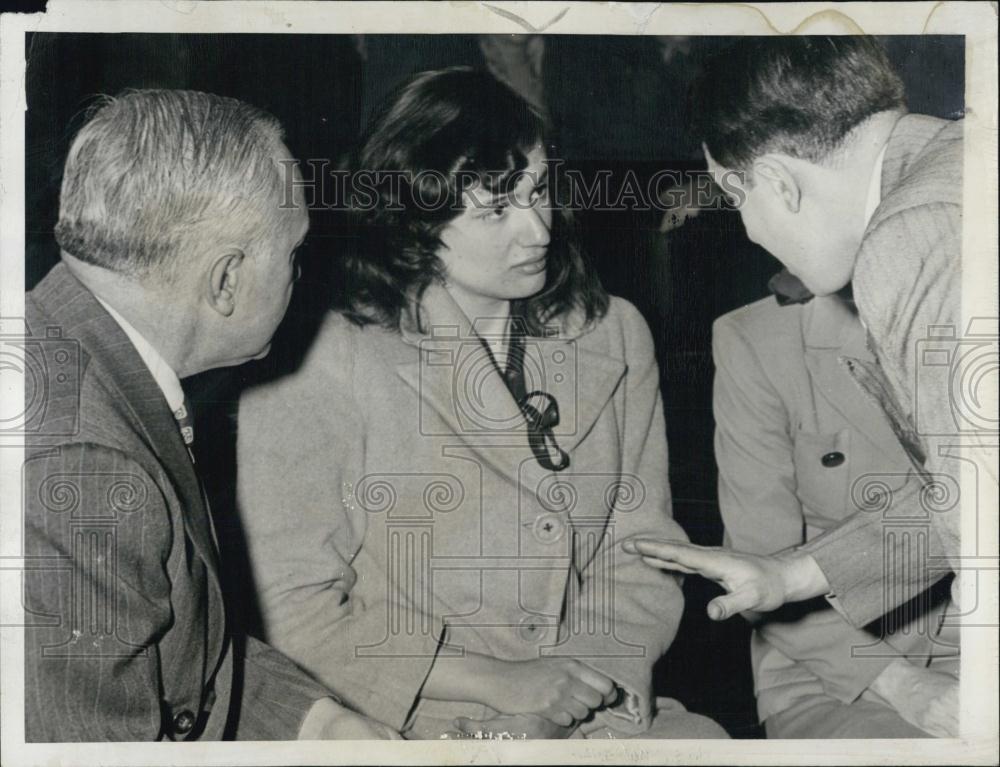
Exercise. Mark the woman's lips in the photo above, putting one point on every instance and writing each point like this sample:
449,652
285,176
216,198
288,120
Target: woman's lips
534,266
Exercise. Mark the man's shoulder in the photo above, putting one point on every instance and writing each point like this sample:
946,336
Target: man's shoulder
70,399
919,221
928,154
765,324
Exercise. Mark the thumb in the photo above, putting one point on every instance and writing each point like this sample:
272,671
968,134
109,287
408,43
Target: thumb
728,605
467,726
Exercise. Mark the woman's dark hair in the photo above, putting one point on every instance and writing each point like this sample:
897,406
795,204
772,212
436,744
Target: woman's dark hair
439,134
796,95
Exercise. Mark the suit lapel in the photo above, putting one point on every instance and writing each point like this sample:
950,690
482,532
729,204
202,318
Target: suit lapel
831,334
597,378
142,402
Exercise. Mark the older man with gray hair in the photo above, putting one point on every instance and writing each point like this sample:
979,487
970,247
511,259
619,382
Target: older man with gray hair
177,257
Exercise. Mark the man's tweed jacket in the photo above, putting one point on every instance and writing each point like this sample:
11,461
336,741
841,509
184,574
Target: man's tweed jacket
126,637
907,286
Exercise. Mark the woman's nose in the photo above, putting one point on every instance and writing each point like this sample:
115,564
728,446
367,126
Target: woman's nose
537,226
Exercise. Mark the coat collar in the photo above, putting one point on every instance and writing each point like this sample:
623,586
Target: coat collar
832,332
829,322
455,376
898,152
909,137
114,360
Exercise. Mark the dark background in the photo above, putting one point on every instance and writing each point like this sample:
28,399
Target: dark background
617,103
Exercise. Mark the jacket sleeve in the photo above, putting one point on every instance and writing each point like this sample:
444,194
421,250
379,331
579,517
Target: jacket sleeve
300,451
754,449
907,287
643,606
96,595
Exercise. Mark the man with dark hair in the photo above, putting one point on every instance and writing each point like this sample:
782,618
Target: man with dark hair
842,186
177,256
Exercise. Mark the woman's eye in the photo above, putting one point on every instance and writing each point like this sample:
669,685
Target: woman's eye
497,211
539,192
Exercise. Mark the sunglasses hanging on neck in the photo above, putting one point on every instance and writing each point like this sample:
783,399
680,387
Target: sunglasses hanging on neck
539,408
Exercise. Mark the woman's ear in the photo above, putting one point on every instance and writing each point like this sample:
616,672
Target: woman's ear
223,281
778,177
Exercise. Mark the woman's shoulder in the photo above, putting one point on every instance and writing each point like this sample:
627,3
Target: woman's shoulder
340,340
621,326
624,312
328,364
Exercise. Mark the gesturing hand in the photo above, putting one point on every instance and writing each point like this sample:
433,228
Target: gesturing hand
753,582
519,726
562,690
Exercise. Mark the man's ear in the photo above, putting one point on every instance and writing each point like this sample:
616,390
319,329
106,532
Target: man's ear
770,170
224,280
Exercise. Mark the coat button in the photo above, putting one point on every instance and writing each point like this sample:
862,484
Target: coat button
830,460
531,629
548,528
183,722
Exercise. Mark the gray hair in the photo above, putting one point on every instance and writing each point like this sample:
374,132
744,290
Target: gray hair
153,173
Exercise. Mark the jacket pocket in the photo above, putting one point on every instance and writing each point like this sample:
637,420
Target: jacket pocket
822,470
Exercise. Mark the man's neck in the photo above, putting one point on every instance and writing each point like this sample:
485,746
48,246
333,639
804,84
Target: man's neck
841,184
865,147
145,310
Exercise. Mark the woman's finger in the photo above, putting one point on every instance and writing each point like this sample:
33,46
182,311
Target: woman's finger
614,697
467,726
562,718
595,679
576,709
588,696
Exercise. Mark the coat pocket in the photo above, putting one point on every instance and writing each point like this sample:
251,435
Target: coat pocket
822,471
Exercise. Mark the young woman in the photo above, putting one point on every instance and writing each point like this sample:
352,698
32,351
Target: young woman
434,500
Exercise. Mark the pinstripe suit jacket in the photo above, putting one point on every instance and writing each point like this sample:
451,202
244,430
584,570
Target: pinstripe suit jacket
126,636
907,282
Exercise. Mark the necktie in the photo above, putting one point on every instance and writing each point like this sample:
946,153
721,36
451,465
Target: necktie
185,422
788,289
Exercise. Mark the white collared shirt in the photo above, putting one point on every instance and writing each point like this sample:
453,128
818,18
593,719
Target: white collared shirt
874,198
162,373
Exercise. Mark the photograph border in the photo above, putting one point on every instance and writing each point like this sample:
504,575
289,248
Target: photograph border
976,21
